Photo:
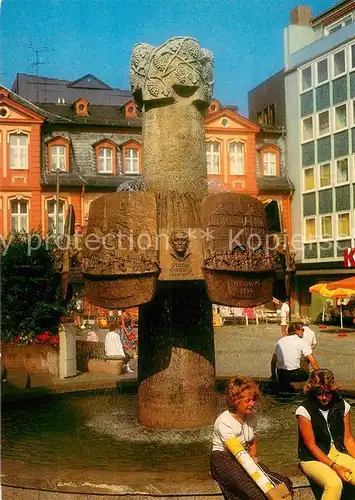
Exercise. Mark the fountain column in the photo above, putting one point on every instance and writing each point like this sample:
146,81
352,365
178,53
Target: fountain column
172,85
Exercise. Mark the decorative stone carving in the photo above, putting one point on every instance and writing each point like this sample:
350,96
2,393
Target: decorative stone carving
179,65
181,255
238,265
120,258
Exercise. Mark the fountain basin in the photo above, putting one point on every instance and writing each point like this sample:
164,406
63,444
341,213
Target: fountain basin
74,445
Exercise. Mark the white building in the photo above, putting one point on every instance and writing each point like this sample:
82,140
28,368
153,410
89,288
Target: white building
320,124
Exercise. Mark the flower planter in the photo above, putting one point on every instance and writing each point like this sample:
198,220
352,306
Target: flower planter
33,358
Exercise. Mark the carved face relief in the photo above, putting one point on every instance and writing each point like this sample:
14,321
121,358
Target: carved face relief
179,242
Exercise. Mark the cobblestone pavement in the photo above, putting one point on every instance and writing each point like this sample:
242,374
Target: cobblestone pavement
247,350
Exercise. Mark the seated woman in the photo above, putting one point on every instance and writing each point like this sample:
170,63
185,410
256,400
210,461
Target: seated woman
326,446
234,462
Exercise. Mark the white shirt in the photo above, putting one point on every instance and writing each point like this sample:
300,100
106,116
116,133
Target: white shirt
301,410
285,309
289,350
309,336
113,345
227,427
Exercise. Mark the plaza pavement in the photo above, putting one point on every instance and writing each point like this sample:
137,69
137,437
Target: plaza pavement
243,350
247,350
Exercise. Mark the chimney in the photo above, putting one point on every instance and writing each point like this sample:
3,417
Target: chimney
301,15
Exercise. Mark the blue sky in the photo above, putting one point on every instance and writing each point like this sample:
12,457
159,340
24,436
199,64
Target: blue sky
76,37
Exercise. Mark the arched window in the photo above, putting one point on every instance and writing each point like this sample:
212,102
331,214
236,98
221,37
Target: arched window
105,157
131,158
270,160
58,154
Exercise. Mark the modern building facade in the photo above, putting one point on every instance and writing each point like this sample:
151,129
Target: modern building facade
315,107
320,122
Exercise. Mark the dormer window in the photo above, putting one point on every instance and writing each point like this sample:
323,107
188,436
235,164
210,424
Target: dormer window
131,158
130,109
105,160
214,107
270,160
58,154
106,157
81,107
338,24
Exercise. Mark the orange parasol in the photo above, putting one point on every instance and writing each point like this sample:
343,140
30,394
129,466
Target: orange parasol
348,283
336,292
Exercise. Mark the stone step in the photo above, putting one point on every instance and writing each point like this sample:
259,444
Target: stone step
18,377
40,379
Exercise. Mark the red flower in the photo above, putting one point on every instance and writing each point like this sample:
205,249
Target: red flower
17,338
43,337
55,339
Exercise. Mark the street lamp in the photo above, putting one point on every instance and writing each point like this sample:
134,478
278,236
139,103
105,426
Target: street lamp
57,204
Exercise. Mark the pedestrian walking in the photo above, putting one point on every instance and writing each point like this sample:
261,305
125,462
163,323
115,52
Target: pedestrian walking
284,315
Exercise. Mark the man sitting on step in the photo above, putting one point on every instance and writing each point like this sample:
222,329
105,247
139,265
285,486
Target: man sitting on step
113,346
287,357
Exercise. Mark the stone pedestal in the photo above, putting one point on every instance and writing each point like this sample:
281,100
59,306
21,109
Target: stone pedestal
67,351
176,369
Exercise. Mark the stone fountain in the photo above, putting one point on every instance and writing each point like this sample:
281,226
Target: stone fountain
171,248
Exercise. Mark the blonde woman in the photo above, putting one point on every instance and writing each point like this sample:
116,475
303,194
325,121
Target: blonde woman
326,446
234,462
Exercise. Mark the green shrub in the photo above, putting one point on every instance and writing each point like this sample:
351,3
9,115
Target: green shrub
30,286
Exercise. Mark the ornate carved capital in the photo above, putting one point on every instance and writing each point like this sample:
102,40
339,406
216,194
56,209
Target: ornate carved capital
178,67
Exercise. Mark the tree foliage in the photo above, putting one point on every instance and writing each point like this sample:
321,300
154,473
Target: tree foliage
30,287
